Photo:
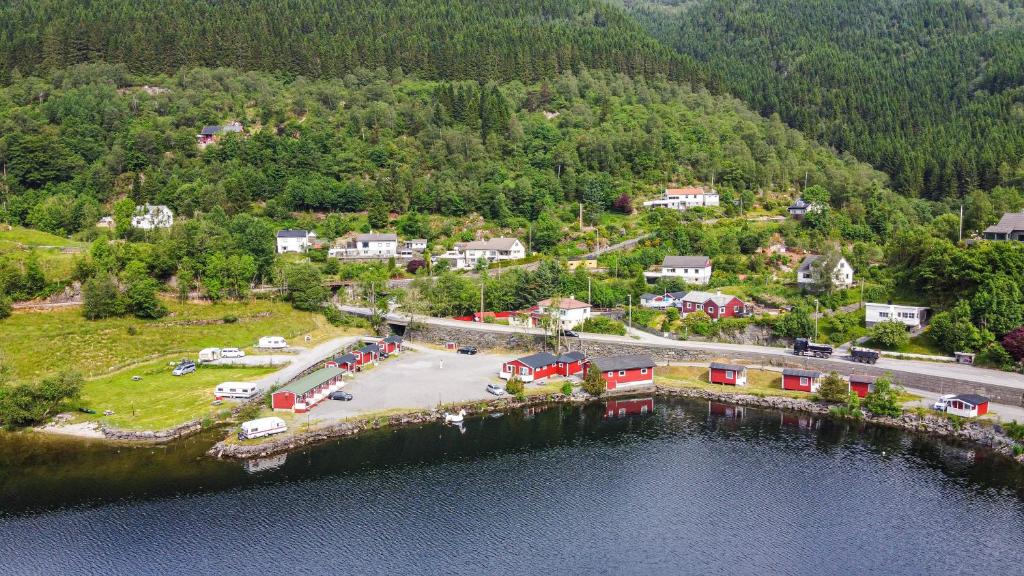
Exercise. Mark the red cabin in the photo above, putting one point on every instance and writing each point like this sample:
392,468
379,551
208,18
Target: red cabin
967,405
862,384
368,354
716,305
729,374
629,407
571,363
801,380
391,345
306,392
627,371
347,362
530,368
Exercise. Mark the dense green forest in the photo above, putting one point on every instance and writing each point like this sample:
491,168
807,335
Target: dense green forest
460,39
928,91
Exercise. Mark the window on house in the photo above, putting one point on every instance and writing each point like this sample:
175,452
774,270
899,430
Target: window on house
730,374
643,370
804,381
610,374
622,372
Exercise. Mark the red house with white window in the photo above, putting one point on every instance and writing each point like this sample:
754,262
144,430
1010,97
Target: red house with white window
967,405
862,384
347,362
368,354
391,345
308,391
624,372
716,305
571,363
530,368
730,374
628,407
801,380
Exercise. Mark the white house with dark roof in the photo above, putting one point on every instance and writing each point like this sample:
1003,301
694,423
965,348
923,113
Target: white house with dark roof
690,269
465,255
1010,227
807,275
369,246
294,240
909,316
687,197
801,208
152,216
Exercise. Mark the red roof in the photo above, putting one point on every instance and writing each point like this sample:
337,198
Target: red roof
686,190
565,303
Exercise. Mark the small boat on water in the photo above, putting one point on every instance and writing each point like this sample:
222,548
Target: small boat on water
455,418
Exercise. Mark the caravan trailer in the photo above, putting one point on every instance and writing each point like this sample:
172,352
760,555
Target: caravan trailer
209,354
261,427
240,390
272,342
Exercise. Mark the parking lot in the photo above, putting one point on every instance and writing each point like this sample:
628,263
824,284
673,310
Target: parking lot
415,379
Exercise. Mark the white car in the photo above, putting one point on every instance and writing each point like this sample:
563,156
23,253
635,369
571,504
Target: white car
943,402
495,389
232,353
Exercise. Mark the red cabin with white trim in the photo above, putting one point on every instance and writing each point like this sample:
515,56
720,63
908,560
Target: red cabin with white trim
624,372
530,368
967,405
801,380
347,362
391,345
729,374
367,354
862,384
571,363
716,305
308,391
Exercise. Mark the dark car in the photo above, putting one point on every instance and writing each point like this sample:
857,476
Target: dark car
468,350
569,334
340,395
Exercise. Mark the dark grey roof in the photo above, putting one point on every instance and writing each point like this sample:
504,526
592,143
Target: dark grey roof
648,296
677,295
800,204
973,399
1011,221
723,366
346,358
808,261
210,130
624,362
571,356
377,237
686,261
862,378
801,373
370,348
292,233
538,360
393,339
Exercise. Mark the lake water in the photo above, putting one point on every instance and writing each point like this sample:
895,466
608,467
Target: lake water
668,487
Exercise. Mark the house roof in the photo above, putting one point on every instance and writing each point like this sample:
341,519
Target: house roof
346,358
972,399
565,303
649,296
624,362
801,373
417,241
698,296
393,339
699,190
895,306
369,348
372,237
573,356
538,360
292,233
808,260
492,244
210,130
800,204
1010,222
686,261
724,366
862,379
312,380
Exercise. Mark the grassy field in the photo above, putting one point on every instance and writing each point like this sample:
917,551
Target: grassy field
56,254
16,235
35,344
920,344
159,400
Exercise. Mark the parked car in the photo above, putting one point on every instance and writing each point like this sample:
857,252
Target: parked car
340,395
185,367
569,334
468,350
943,402
495,389
232,353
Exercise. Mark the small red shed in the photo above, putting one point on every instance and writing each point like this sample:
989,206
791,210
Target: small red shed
391,345
368,354
730,374
530,368
862,384
967,405
801,380
347,362
571,363
624,371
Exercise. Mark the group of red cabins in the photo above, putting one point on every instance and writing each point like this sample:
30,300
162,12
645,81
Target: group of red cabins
618,371
792,378
302,394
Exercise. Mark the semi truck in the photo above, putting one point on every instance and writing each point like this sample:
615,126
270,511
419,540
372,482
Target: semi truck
804,347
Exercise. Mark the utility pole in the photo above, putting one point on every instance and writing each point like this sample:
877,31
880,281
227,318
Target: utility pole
960,234
481,300
630,311
815,319
589,278
805,181
529,239
581,216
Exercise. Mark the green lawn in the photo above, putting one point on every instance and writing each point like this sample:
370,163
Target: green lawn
56,260
759,382
159,400
35,344
920,344
29,237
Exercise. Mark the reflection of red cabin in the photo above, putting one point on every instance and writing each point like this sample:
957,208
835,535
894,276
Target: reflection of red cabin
630,407
802,380
306,392
862,384
797,420
391,345
732,374
530,368
571,363
347,362
725,410
624,371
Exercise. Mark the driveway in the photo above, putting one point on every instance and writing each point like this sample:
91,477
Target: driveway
299,362
415,379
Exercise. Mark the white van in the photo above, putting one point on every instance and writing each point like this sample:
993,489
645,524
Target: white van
240,390
272,342
209,354
261,427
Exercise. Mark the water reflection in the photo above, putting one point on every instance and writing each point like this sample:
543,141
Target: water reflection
622,407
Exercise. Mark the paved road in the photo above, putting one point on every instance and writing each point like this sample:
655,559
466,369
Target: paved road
303,360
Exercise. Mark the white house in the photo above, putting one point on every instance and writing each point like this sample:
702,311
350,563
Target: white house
567,312
661,301
294,240
368,246
807,275
1010,227
465,255
683,198
911,316
416,244
801,208
690,269
149,216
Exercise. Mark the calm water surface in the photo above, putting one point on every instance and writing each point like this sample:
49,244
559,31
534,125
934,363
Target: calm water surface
690,488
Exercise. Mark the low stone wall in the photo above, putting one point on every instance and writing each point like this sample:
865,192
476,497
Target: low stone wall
482,339
158,436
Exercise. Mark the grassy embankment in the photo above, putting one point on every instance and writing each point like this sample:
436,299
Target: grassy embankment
56,254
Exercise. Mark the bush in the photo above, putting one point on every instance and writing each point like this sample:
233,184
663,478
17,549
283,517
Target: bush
593,382
566,388
230,319
891,334
834,388
514,386
1014,430
996,356
602,325
882,401
100,298
5,307
27,404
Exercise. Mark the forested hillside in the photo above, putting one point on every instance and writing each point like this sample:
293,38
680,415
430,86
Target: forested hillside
459,39
929,91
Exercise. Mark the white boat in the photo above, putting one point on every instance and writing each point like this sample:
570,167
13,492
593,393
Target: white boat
455,418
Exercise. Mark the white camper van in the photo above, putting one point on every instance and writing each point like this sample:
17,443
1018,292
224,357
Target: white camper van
241,390
209,354
261,427
272,342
